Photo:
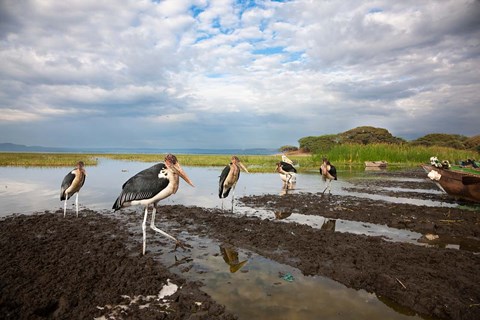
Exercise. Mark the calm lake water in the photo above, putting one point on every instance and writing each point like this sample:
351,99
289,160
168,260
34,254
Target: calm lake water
34,189
257,285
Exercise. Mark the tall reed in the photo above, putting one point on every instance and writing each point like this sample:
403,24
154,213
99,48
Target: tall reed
394,153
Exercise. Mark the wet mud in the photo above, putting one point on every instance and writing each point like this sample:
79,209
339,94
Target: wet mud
86,267
89,267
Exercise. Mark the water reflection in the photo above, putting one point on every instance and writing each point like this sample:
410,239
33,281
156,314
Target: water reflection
451,242
279,215
329,225
230,256
266,296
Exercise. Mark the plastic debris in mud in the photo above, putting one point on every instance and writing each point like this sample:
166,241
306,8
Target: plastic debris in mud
286,276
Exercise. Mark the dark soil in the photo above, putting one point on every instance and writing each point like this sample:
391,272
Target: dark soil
81,268
65,268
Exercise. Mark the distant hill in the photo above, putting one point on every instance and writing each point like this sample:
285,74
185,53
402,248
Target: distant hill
455,141
12,147
368,135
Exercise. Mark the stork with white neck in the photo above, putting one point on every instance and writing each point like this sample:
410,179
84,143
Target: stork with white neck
287,172
229,178
329,173
71,184
150,186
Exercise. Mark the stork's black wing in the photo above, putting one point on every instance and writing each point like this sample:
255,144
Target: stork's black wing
287,167
223,176
333,172
67,182
143,185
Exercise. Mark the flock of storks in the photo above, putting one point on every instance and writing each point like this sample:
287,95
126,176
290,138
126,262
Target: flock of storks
158,182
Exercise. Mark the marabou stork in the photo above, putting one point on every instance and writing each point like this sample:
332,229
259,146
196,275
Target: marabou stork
150,186
229,178
287,172
71,184
329,173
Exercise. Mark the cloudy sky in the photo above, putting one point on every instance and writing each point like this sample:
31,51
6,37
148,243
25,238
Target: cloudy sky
234,74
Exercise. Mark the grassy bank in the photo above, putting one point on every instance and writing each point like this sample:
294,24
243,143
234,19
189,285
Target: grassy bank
341,155
394,154
255,163
21,159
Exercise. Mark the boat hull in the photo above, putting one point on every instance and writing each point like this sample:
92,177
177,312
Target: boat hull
376,164
455,183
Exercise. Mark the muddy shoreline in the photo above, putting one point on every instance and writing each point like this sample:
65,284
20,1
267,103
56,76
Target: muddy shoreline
60,268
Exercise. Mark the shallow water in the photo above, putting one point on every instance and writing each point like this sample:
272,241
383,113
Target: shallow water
265,289
33,189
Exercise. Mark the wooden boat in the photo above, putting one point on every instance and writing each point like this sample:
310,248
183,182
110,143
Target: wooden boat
376,164
457,183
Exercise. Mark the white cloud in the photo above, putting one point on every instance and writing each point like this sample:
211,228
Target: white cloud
12,115
173,119
199,62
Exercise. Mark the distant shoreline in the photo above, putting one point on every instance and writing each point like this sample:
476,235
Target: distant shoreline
13,148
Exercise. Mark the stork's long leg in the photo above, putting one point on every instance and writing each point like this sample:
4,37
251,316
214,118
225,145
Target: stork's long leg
233,195
144,228
290,182
65,205
328,181
76,203
152,225
328,187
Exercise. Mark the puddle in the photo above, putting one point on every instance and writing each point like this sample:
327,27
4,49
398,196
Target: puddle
396,189
417,202
364,228
259,288
338,225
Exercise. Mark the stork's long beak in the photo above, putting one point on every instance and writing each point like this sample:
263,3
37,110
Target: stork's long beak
243,167
182,174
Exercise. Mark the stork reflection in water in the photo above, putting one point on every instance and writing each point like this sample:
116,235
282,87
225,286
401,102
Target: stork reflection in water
230,256
229,178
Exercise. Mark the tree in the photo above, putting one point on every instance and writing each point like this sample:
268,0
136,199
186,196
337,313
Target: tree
318,144
366,135
287,148
442,140
473,143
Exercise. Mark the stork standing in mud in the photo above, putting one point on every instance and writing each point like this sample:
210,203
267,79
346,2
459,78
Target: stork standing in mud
229,178
71,184
287,172
150,186
329,173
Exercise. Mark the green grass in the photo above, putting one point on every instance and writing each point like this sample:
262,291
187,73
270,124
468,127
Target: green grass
394,154
254,163
21,159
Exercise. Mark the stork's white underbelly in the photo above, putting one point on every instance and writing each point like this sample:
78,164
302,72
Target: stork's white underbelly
288,177
169,190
